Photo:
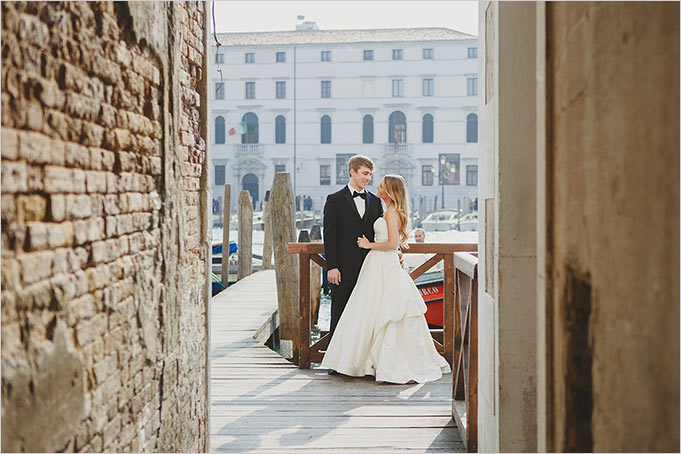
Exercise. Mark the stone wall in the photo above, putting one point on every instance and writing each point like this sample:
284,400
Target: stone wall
104,237
613,216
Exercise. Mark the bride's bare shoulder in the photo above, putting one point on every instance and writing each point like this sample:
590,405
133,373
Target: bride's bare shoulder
390,211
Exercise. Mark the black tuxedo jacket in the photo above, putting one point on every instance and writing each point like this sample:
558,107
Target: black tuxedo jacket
342,226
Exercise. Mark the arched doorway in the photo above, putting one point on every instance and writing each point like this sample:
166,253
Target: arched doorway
250,183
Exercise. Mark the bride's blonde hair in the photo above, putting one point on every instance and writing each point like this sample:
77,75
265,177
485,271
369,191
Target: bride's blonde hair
396,188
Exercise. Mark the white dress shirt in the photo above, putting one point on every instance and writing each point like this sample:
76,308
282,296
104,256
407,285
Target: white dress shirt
360,203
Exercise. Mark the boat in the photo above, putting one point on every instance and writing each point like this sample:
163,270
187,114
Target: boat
431,286
440,221
468,222
217,285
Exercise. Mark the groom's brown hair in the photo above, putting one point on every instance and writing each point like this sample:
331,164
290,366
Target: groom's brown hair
358,161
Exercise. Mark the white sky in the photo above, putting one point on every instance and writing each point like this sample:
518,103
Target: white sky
281,15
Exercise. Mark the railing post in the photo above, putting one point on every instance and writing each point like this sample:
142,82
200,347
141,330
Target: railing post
472,413
304,315
458,379
448,308
245,235
267,241
224,268
282,210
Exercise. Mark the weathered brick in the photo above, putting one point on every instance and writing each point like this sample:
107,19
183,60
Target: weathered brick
30,208
14,177
57,179
49,93
78,206
78,181
35,266
10,143
96,181
60,235
92,329
35,180
77,155
82,308
37,235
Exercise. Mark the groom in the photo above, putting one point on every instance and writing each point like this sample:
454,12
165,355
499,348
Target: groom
348,214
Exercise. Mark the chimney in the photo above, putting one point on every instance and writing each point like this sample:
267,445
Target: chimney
307,26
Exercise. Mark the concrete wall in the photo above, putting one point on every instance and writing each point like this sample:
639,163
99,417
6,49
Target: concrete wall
507,317
104,241
613,215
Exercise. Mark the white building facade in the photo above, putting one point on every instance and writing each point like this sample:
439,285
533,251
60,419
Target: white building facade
310,99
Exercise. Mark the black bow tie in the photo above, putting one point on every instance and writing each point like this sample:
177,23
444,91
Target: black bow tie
359,194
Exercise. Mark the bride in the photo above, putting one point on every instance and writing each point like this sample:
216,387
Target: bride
383,331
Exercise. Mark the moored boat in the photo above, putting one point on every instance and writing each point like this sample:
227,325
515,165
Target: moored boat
431,286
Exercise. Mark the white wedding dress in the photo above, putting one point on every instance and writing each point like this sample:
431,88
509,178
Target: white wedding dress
383,331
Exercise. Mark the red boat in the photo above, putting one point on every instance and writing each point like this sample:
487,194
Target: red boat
431,286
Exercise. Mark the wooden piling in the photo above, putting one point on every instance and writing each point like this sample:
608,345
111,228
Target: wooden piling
245,235
315,277
224,275
282,209
267,243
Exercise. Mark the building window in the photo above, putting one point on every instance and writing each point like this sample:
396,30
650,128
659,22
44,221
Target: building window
219,58
368,55
471,175
326,88
449,169
281,90
427,128
472,86
426,175
280,129
368,129
249,57
326,129
472,128
428,54
472,52
325,175
326,55
220,90
342,171
398,88
219,175
428,87
397,54
281,57
279,168
219,130
250,90
397,127
251,121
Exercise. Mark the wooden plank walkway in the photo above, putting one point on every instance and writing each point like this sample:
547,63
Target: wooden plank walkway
262,403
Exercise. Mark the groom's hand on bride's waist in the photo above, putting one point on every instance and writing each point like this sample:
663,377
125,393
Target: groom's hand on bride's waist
334,276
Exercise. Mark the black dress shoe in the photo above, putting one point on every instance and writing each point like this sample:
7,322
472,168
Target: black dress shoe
332,372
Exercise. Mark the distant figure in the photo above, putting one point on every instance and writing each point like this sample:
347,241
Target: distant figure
412,261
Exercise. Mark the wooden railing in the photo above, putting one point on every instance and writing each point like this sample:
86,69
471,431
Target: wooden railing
465,383
312,252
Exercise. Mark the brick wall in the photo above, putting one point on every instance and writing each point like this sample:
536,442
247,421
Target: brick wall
104,293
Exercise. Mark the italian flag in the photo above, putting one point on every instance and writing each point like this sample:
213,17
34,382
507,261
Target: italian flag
238,129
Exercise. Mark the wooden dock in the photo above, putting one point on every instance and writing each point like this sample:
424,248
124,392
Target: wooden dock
260,402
